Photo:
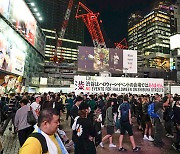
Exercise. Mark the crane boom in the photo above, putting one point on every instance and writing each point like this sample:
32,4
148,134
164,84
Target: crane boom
91,21
122,45
62,32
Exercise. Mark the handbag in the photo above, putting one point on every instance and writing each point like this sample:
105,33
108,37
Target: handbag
30,117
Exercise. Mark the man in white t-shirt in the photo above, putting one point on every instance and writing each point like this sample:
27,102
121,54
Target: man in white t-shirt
36,106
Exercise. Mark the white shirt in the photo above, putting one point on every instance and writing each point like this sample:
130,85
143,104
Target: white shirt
35,108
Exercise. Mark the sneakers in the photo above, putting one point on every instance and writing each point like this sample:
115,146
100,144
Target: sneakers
150,139
101,145
169,135
117,131
136,149
145,137
175,148
112,146
122,149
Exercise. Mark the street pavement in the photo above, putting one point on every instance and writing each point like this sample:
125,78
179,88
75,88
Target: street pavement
11,143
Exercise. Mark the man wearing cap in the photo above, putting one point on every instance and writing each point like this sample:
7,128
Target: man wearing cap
36,106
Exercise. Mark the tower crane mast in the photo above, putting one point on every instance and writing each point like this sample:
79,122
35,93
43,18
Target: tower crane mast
60,35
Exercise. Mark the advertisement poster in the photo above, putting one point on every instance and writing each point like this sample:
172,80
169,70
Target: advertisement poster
101,59
129,61
17,12
119,85
4,8
92,59
116,60
12,56
86,58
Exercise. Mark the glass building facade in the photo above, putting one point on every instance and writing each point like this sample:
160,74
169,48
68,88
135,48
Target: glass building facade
150,36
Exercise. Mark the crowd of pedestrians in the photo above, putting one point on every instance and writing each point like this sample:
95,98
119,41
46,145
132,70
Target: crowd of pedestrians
89,114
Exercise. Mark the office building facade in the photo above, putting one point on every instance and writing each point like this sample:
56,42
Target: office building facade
150,36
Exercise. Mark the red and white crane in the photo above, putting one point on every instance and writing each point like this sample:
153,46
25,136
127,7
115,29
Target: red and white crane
91,21
122,45
60,35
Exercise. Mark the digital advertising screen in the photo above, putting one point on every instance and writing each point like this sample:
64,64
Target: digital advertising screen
17,12
12,50
92,59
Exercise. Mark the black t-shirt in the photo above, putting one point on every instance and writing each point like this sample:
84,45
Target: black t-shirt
115,106
74,111
84,129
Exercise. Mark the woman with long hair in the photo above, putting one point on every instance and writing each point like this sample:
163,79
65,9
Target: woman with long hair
146,120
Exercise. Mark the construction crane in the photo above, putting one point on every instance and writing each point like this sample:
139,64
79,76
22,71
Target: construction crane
122,45
59,36
91,21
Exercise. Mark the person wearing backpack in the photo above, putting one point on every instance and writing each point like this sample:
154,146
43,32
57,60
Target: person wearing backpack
12,108
158,119
44,139
23,127
126,125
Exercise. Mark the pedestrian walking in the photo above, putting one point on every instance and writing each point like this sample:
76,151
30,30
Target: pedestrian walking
126,124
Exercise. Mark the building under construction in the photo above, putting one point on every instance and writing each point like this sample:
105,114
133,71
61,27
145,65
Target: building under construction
63,36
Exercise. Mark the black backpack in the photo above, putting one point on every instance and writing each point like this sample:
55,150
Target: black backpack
124,108
42,140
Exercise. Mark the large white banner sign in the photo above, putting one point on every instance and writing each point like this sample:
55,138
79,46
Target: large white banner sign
119,85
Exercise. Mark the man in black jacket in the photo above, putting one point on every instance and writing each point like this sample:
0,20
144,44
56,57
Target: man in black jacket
75,109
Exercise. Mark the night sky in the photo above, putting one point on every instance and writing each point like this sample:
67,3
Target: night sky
114,14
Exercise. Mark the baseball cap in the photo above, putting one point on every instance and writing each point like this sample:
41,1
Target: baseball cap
37,96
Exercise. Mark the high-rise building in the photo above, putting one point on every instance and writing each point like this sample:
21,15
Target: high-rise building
176,12
150,36
174,42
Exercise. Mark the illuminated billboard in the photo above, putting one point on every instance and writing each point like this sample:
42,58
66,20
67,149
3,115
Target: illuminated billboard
4,8
174,41
18,13
12,56
129,61
112,60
